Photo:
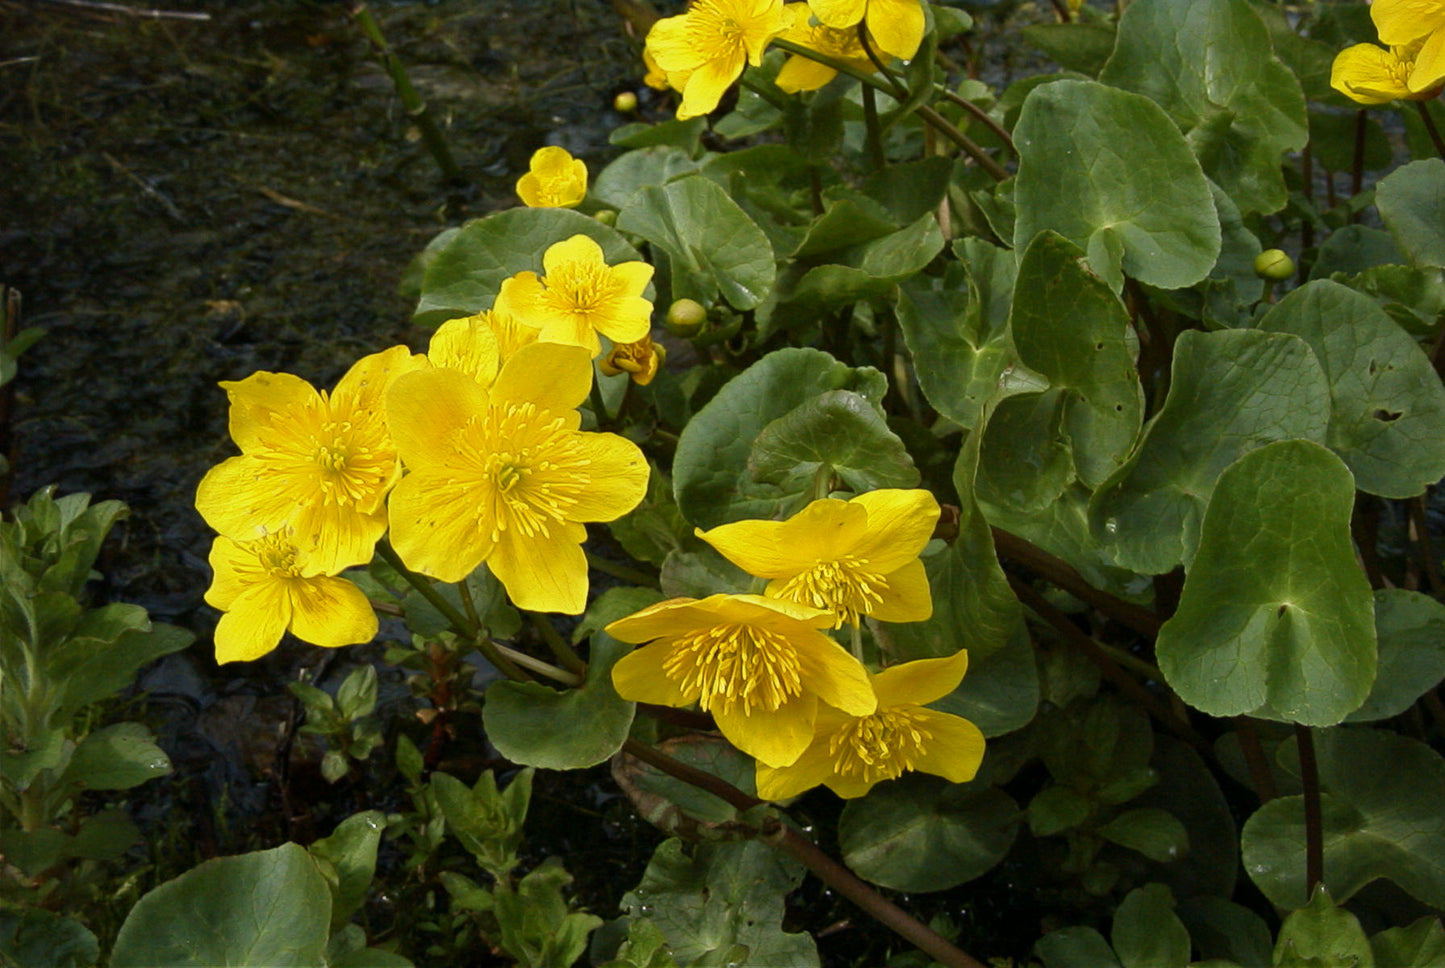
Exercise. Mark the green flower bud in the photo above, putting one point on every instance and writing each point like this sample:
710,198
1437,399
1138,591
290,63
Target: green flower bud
625,103
607,216
685,317
1273,264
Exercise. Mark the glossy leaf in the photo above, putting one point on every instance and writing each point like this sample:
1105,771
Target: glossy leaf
1387,416
1147,933
117,757
1378,822
1210,64
1075,947
1321,934
1275,618
1000,693
1229,393
1411,200
268,909
840,429
1410,627
619,181
921,833
713,248
1420,945
1108,170
1155,833
864,271
711,474
350,855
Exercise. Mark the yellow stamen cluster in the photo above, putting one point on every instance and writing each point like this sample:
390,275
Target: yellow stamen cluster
740,665
881,746
277,555
531,460
845,587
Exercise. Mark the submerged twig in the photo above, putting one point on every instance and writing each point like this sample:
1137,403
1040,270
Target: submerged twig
152,14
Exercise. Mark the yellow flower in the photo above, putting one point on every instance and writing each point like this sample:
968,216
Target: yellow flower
1401,21
554,180
758,665
851,558
705,49
267,587
468,344
802,74
655,78
1373,75
319,465
501,474
850,754
580,295
897,25
639,360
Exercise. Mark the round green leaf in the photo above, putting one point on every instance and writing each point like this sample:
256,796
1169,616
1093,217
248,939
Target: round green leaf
1420,945
1212,67
1275,618
1076,947
841,429
351,853
34,938
712,245
1109,171
922,833
1155,833
1411,632
1387,406
1382,818
1147,933
465,273
1229,393
117,757
711,474
1411,200
268,909
561,729
619,181
1321,934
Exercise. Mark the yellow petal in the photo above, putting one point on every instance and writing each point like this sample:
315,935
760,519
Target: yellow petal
425,412
921,681
955,750
467,344
550,376
617,474
242,498
822,531
436,524
234,569
907,596
669,46
364,385
543,573
579,248
638,677
812,768
1429,72
839,13
708,82
775,738
679,616
802,74
897,26
334,538
838,679
1401,21
900,522
521,297
254,623
330,612
262,398
1368,74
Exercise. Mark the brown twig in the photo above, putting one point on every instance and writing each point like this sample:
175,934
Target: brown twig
121,8
1061,573
1260,775
1424,545
1314,825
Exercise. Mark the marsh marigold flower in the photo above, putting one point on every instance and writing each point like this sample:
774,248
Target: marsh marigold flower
850,754
1373,75
267,587
319,465
850,558
800,73
897,25
763,668
579,295
554,180
639,360
703,51
502,475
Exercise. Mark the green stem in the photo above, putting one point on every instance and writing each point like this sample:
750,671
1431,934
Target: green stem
999,131
621,572
538,666
829,871
1314,825
1430,128
560,648
416,108
874,134
855,640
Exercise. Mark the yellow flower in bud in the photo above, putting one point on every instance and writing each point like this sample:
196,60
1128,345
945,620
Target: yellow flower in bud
579,295
897,25
638,360
763,668
316,465
850,754
502,475
267,587
554,180
850,558
802,74
1374,75
703,51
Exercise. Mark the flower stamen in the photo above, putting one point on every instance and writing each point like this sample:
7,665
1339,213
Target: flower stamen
735,666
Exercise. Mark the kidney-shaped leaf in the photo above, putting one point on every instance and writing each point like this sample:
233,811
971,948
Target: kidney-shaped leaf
1275,618
1229,392
1387,413
1382,818
267,909
1109,171
1411,200
1411,631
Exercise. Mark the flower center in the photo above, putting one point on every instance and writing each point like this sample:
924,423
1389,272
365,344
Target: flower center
580,288
843,587
880,746
277,555
534,467
735,665
352,462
